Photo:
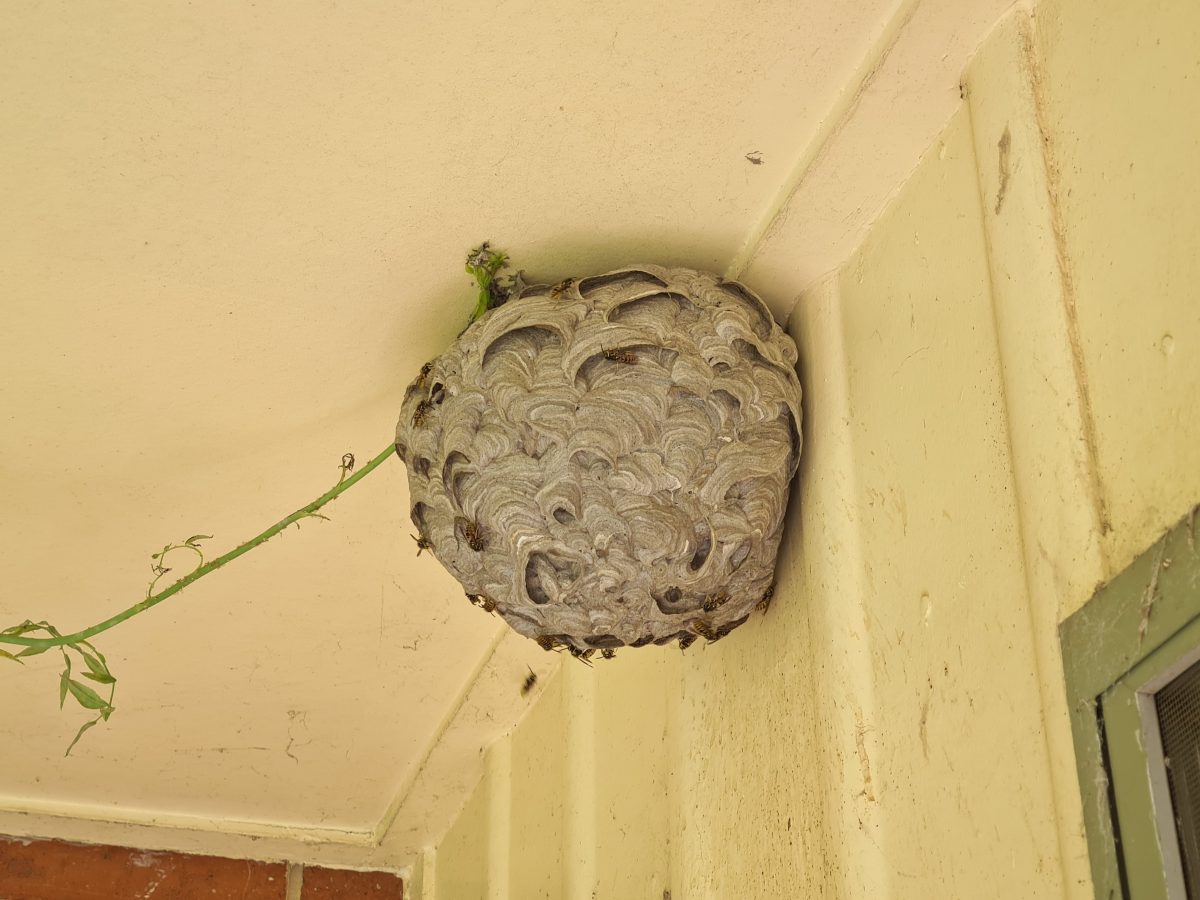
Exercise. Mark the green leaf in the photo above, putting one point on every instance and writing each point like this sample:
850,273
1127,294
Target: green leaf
95,652
63,680
85,695
27,625
79,734
32,651
98,670
8,655
198,537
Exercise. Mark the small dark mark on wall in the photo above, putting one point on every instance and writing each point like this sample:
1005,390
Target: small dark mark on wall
864,762
754,158
922,725
1005,148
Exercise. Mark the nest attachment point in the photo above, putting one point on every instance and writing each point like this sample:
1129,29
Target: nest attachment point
606,462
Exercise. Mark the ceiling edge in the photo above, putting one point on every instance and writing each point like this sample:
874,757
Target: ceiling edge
900,99
422,809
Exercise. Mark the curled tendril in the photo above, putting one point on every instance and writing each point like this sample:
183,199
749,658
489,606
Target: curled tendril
156,559
346,467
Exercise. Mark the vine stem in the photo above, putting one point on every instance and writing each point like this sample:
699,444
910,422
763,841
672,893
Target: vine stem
155,599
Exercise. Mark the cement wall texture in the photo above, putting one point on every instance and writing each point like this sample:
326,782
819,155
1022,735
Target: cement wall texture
1000,414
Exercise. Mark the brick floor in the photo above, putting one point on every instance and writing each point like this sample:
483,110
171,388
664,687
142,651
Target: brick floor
339,884
52,870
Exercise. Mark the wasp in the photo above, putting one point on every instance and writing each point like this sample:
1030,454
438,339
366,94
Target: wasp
622,356
422,543
584,656
546,642
704,630
561,288
484,602
425,370
472,533
686,641
715,601
530,681
764,604
423,409
608,653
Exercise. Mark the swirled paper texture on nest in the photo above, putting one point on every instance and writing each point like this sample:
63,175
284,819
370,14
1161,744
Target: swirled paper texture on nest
606,462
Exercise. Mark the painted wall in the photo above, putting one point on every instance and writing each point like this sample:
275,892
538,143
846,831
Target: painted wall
1001,413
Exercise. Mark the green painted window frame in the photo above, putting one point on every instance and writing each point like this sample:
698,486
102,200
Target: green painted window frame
1137,632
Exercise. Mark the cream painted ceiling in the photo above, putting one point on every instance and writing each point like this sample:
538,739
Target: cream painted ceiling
233,231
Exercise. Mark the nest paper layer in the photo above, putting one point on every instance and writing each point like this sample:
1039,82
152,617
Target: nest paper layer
606,462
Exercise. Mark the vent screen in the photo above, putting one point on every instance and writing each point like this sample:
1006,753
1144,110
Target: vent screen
1178,706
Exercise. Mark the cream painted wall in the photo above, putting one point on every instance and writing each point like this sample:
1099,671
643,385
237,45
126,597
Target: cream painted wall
1121,87
1001,412
575,801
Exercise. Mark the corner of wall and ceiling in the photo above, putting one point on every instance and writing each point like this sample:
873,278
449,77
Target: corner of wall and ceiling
834,120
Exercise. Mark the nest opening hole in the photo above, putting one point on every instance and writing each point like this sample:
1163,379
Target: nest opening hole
703,547
528,341
625,279
668,601
603,641
739,556
663,305
546,575
418,516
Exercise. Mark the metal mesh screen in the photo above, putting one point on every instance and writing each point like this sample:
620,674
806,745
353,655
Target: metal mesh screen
1178,706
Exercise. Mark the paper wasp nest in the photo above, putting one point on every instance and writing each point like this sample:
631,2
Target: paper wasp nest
606,462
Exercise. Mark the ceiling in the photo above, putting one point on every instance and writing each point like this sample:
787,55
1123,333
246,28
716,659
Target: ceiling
232,234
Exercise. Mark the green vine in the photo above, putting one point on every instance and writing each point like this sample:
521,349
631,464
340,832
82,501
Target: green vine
79,643
34,638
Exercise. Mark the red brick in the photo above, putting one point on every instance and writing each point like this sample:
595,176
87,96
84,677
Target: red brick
341,884
52,870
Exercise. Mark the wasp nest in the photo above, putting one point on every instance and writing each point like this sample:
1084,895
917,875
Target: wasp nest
606,462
